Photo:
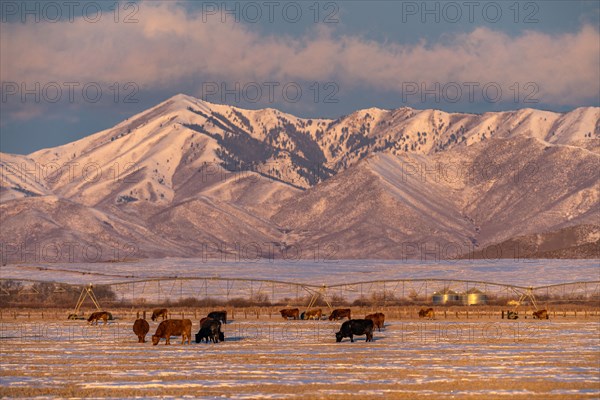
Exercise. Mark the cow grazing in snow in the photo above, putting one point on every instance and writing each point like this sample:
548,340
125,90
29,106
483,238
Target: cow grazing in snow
427,313
103,315
355,327
219,316
293,313
378,320
173,327
141,327
340,313
210,329
312,314
159,312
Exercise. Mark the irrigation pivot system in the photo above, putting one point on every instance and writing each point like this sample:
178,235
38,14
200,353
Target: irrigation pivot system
418,291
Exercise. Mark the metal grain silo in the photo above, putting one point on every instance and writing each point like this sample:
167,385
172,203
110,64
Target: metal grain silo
445,296
473,297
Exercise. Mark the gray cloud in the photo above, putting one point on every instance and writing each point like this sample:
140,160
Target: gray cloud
167,47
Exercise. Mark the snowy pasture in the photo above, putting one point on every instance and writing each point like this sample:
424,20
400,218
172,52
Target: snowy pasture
523,272
300,359
271,358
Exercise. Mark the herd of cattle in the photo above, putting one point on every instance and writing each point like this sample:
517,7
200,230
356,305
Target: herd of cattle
210,326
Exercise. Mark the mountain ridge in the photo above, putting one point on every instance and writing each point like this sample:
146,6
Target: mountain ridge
424,176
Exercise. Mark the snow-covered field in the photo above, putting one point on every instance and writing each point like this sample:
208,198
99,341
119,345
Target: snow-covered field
277,359
270,358
516,272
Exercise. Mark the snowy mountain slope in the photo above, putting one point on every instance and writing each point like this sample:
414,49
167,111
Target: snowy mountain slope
190,171
183,133
21,177
370,210
465,199
49,229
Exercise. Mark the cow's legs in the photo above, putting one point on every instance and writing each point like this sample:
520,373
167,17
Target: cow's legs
351,339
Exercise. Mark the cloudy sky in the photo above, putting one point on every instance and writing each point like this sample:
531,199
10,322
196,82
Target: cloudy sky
71,69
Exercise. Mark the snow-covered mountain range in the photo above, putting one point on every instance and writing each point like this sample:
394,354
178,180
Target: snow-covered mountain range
188,178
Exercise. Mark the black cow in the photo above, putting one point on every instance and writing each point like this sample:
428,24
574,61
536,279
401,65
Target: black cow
219,316
210,330
355,327
512,315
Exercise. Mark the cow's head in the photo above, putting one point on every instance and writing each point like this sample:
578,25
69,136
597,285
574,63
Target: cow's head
155,340
338,336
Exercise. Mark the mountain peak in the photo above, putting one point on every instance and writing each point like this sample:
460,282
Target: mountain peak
183,101
187,172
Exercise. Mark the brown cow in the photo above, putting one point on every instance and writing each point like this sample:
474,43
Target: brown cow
173,327
378,320
340,313
312,314
159,312
141,328
103,315
290,313
427,313
540,314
